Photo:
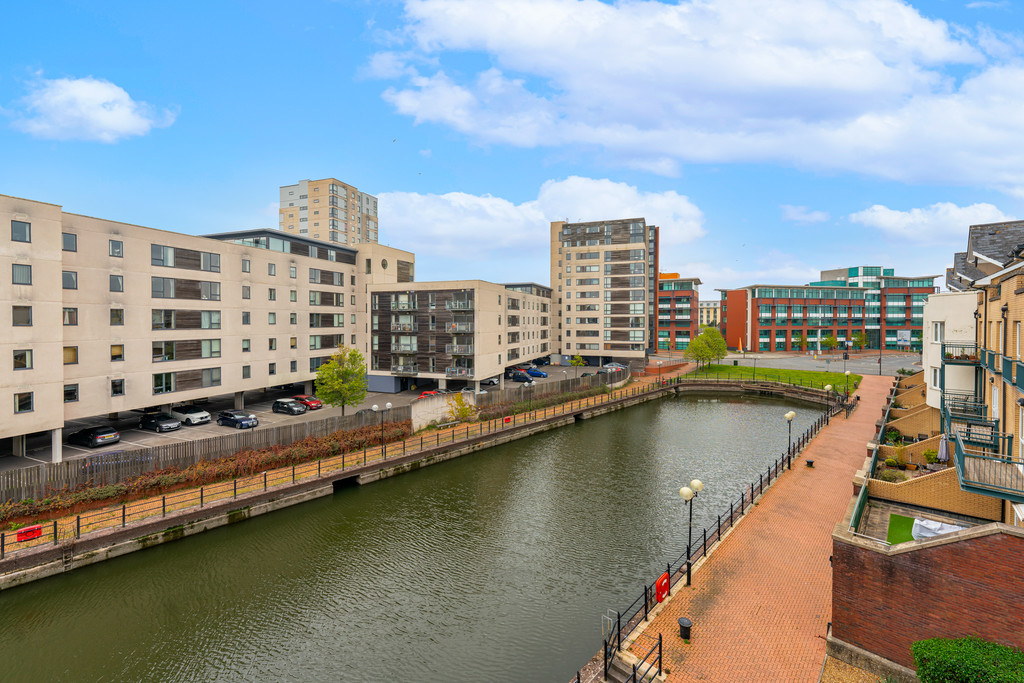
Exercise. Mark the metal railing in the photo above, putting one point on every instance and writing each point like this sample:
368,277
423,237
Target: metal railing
404,305
862,495
994,470
404,327
404,370
462,349
457,305
407,348
458,372
642,670
458,327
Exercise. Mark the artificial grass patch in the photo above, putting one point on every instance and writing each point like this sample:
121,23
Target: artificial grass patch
900,528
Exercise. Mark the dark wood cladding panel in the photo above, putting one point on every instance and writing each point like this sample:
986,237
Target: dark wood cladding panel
621,237
346,257
187,289
404,271
327,278
188,259
618,282
188,320
618,269
618,255
299,249
188,379
619,309
188,349
620,335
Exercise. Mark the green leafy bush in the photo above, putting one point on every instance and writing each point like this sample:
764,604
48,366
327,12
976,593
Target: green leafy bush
892,476
967,660
931,456
891,462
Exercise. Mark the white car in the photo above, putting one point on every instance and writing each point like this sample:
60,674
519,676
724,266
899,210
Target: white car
615,366
190,415
493,381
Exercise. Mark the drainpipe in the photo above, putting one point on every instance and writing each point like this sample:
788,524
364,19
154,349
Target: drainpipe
1002,408
984,340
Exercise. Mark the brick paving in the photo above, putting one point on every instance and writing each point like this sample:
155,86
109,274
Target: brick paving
761,602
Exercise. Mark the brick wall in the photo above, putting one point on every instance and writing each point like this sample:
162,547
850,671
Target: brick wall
923,422
912,452
912,397
939,491
885,600
912,380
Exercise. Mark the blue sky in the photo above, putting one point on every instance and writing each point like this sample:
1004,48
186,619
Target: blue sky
768,139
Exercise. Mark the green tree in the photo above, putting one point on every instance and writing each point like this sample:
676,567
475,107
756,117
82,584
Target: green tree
341,381
577,362
798,340
859,339
716,343
698,351
458,409
830,342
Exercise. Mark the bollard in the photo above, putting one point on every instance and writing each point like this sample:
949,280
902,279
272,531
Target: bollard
684,628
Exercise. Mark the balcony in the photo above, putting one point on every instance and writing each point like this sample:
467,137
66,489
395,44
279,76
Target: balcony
404,327
1019,375
459,305
459,349
1007,370
991,361
960,353
404,370
989,470
403,305
458,327
403,348
962,405
458,372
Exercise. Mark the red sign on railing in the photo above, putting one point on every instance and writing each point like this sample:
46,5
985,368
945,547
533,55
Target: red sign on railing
30,532
662,587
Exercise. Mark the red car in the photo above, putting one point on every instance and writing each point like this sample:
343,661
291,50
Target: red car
425,394
311,402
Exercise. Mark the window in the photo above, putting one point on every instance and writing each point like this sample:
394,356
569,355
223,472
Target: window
245,292
272,344
116,248
935,378
69,279
117,387
163,382
271,269
271,294
21,274
246,371
116,352
272,318
23,402
23,359
210,262
163,288
163,350
293,296
246,345
293,318
21,231
161,256
69,241
70,316
209,291
210,320
272,370
164,320
938,331
293,342
117,283
246,265
21,316
70,393
211,377
117,316
70,355
245,317
211,348
294,366
293,272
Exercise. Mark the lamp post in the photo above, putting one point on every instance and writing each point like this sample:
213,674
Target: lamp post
789,421
847,373
566,375
659,372
688,493
828,401
880,339
375,408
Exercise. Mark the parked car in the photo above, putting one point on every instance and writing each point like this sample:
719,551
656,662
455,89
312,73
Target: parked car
289,406
240,419
587,374
491,382
518,376
190,415
159,422
426,394
543,361
471,390
94,437
615,366
311,402
534,372
604,371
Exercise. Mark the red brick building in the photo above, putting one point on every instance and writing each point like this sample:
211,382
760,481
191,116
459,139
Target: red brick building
677,302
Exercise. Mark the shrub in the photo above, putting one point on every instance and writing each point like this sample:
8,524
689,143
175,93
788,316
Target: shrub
931,456
891,462
892,476
966,660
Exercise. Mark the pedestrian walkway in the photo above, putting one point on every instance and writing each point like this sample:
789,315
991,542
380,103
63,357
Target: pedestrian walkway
761,603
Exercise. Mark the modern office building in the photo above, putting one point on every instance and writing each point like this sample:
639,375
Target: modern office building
710,314
328,210
456,332
101,317
886,308
678,300
604,279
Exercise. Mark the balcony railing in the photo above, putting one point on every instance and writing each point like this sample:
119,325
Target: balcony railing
1019,375
458,305
458,372
403,305
404,370
460,349
458,327
990,471
404,327
960,352
1007,370
406,348
962,404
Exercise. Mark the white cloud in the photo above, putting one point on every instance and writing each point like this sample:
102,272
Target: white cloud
801,214
492,238
987,4
86,109
944,221
872,86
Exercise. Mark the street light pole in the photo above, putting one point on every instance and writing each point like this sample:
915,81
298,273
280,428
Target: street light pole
688,493
828,401
659,372
789,421
376,409
847,373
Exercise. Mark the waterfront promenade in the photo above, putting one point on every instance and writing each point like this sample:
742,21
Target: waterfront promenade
761,602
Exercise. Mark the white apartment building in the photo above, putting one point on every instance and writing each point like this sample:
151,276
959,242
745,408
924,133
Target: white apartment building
328,210
949,319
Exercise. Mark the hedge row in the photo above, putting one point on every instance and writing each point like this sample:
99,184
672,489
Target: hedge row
967,660
60,502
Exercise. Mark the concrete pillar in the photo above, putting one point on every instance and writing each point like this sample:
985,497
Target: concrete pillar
57,445
442,384
18,446
501,381
307,387
239,400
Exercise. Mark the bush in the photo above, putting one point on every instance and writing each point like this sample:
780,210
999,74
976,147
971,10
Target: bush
892,476
891,462
967,660
931,456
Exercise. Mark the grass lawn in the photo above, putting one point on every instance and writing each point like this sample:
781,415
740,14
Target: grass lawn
899,529
805,377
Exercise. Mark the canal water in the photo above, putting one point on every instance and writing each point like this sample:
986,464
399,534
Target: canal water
492,567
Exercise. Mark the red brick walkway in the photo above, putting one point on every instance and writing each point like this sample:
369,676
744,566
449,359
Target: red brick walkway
761,602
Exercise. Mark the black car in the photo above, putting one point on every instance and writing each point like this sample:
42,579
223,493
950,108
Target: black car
587,374
518,376
240,419
95,436
159,422
288,405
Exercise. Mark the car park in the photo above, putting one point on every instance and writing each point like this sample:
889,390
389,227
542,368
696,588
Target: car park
289,406
311,402
240,419
190,414
491,382
94,437
534,372
159,422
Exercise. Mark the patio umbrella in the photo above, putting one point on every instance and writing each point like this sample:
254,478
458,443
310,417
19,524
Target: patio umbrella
943,449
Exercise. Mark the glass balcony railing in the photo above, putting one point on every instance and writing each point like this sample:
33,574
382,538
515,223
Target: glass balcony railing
1007,370
462,349
404,348
404,370
458,372
458,327
404,327
403,305
459,305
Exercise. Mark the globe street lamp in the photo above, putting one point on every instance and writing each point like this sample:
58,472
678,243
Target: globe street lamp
828,401
688,493
375,408
789,421
659,372
847,373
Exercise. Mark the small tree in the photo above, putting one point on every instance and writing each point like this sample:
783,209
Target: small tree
798,340
341,381
698,351
830,342
715,341
577,362
859,339
458,409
